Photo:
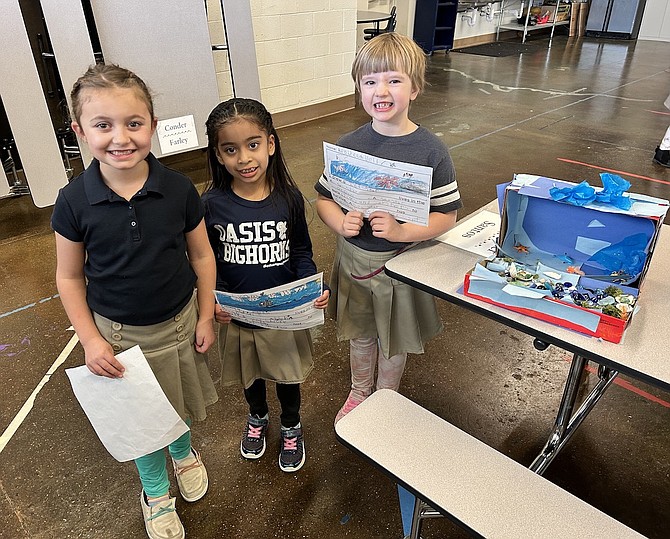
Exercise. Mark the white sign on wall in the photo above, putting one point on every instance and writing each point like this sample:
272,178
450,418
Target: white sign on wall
177,134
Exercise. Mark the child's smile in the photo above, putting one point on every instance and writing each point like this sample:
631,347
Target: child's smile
248,172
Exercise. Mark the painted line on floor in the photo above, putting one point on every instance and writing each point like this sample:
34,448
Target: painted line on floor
630,387
612,170
30,305
509,89
28,405
658,112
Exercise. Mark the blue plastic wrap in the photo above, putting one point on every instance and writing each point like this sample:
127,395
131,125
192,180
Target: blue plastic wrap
613,189
579,195
612,193
628,256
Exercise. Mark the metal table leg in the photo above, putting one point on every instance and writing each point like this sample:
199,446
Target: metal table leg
566,422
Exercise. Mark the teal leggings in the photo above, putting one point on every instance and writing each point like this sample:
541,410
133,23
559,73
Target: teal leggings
153,467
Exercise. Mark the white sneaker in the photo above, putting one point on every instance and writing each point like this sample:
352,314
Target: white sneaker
191,477
161,520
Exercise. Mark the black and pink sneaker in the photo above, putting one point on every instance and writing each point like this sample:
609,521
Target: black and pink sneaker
292,451
253,440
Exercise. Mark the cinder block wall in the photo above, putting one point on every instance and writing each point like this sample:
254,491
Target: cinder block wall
304,50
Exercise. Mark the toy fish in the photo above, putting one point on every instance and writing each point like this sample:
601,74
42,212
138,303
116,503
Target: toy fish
565,258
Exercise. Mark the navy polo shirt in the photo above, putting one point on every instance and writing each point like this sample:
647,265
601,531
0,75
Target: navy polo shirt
136,266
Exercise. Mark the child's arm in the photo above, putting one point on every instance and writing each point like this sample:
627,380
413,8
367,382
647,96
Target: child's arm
347,225
202,260
385,226
71,283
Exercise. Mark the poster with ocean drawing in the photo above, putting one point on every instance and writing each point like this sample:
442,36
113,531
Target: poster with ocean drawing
365,183
290,306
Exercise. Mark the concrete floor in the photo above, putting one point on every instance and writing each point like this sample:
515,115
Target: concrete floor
567,112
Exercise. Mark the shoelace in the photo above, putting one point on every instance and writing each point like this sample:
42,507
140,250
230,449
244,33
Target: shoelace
162,511
290,444
254,432
188,467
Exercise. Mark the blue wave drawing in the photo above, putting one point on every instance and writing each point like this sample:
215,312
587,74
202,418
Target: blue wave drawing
278,301
375,179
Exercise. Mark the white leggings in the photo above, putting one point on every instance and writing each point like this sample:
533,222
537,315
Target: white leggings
665,143
364,355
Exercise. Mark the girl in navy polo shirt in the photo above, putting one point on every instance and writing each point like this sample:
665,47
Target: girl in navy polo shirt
123,230
256,223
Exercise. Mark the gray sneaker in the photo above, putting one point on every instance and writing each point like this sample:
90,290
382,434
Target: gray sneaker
292,451
253,440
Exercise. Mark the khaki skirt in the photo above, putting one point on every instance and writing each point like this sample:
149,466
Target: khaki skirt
270,354
168,346
401,316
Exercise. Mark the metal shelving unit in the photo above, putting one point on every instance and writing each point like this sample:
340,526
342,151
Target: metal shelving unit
526,28
434,24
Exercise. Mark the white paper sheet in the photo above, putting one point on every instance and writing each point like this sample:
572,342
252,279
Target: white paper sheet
288,307
477,234
131,415
366,183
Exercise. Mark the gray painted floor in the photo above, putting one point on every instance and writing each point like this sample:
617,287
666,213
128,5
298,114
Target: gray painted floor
568,112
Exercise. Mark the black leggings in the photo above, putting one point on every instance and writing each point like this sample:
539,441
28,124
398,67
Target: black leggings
289,399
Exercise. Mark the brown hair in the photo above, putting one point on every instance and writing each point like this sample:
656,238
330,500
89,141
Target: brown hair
391,52
108,76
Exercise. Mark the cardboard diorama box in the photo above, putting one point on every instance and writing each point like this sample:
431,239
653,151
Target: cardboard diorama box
577,266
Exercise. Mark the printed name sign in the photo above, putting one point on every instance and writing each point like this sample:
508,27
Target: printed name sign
177,134
477,234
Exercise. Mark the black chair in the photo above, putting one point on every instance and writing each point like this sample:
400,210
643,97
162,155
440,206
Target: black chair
390,27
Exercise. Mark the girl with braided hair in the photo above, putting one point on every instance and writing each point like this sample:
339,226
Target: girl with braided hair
255,218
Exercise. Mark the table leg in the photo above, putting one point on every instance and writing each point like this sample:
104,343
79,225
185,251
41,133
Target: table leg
566,422
416,519
421,510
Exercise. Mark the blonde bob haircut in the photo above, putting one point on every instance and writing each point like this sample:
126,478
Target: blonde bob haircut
391,52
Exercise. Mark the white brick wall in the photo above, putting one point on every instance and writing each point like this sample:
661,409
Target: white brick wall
304,50
306,64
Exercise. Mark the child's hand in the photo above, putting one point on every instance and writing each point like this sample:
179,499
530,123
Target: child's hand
100,359
204,335
322,301
352,224
221,316
385,226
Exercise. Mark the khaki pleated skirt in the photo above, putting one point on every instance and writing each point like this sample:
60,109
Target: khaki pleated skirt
271,354
169,348
403,317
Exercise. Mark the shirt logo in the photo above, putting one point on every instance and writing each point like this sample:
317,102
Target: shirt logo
262,243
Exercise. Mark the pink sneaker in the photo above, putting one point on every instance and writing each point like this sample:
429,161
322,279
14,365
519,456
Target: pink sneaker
348,406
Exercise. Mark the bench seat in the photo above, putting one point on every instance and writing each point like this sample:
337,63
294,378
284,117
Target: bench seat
476,486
